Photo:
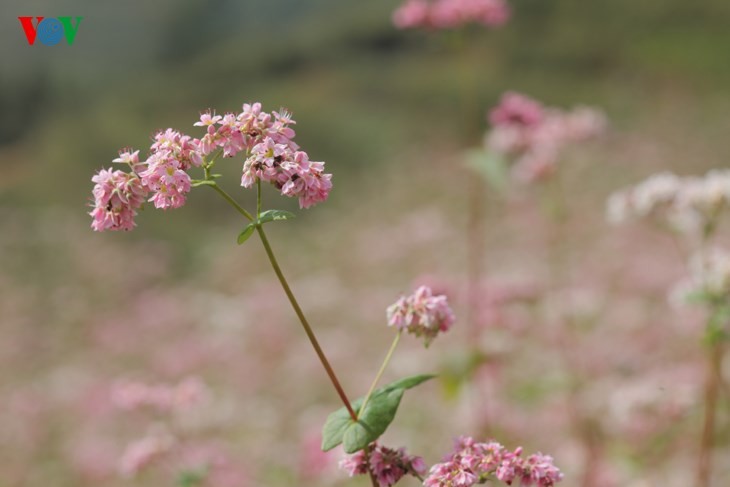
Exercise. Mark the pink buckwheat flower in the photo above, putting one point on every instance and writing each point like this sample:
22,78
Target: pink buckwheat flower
538,469
387,464
166,177
207,119
421,314
131,159
183,148
290,172
117,197
355,464
307,181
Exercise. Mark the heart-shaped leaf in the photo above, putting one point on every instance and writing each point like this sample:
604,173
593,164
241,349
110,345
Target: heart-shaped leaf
372,422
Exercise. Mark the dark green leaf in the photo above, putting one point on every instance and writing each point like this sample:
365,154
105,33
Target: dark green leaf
246,233
273,215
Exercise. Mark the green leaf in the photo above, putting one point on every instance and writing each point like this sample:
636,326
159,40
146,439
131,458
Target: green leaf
202,182
372,422
274,215
336,425
246,233
490,165
409,382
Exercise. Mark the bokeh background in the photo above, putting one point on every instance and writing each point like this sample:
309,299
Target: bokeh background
613,395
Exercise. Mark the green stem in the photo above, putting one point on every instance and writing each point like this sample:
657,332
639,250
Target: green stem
232,202
382,369
305,324
288,292
258,199
712,390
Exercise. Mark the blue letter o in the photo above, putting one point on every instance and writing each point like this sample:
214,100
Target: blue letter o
50,31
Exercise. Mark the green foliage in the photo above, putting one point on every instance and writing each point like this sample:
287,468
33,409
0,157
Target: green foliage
275,215
379,412
246,233
265,217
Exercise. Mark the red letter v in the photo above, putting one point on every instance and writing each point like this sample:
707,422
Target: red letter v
29,29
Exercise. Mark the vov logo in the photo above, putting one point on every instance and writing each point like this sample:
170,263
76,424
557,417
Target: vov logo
49,30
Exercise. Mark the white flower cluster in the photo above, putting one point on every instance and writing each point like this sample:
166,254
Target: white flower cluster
709,277
689,204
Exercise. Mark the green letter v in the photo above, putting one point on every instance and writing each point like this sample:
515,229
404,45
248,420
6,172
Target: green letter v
69,29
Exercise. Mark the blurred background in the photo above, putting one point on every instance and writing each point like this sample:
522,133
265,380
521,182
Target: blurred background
614,398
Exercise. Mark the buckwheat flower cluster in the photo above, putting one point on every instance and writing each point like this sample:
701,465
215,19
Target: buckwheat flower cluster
422,314
450,14
690,204
172,154
532,136
709,277
118,194
266,139
387,464
272,156
474,463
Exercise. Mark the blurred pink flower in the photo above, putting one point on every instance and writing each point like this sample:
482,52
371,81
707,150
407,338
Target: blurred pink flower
313,462
516,109
532,136
143,452
188,393
450,14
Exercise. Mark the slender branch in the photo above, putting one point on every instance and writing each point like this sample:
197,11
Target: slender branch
233,202
258,199
388,356
305,324
371,474
289,294
712,389
382,369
